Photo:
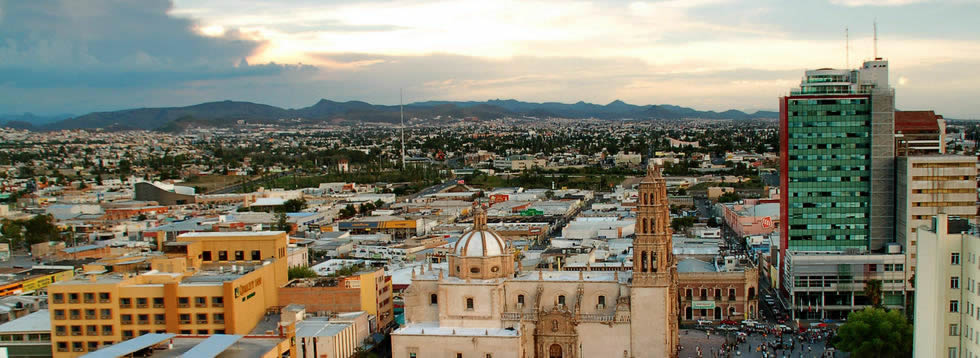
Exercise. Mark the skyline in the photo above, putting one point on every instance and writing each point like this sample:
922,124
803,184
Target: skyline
67,57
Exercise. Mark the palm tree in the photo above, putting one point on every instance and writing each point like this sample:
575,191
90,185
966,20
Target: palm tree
872,289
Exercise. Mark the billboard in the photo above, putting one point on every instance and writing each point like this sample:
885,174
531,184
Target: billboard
703,305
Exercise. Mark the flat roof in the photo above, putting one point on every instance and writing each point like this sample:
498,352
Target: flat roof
185,346
133,345
213,346
231,233
39,321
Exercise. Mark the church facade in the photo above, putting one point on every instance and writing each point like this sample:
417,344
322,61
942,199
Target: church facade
485,306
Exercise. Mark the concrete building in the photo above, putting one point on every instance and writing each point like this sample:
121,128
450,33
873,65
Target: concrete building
831,285
28,336
947,310
204,283
726,288
919,133
486,306
368,290
751,217
928,186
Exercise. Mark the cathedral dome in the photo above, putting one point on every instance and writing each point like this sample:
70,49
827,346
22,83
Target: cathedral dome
480,241
477,243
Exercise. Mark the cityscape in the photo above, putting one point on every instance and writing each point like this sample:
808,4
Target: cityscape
195,204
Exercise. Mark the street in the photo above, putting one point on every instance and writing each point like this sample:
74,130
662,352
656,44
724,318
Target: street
691,339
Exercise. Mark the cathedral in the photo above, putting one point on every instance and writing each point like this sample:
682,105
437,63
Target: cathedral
485,306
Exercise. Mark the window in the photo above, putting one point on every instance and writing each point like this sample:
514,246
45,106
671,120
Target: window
704,294
202,332
731,294
217,301
141,302
602,302
954,330
412,355
690,293
103,297
459,355
143,319
107,330
469,304
58,297
125,302
218,318
72,298
954,282
93,346
474,270
561,300
433,299
183,302
60,330
126,318
256,255
202,318
222,255
952,353
200,301
160,318
89,297
158,302
718,294
59,314
90,313
954,258
105,313
127,333
954,306
75,314
185,318
520,300
206,255
62,346
185,331
239,255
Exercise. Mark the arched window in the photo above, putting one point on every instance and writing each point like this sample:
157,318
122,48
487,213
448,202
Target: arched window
717,312
469,303
751,293
602,301
689,313
520,300
690,293
731,310
433,299
643,229
561,300
704,294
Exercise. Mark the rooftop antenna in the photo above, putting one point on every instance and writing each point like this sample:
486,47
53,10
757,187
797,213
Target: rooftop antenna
401,111
876,39
847,48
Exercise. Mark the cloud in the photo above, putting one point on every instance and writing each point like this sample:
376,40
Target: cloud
855,3
117,44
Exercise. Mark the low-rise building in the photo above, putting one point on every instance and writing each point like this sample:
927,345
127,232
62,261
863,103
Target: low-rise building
725,288
368,290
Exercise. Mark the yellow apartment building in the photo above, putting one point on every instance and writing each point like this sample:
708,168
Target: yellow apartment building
202,284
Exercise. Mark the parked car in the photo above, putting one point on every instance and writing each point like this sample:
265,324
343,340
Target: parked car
704,322
727,327
750,323
785,328
729,322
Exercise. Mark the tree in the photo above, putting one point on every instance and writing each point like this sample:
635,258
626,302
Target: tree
549,194
729,197
378,204
282,224
301,272
348,211
682,223
872,289
873,332
293,205
41,228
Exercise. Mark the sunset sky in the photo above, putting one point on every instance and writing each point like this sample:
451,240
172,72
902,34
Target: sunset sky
74,56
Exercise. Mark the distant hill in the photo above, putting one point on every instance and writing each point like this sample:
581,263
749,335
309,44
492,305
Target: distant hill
29,120
226,113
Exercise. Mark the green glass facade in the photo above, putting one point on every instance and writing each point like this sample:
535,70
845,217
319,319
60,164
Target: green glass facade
828,171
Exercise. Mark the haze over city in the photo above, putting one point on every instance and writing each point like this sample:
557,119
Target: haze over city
77,57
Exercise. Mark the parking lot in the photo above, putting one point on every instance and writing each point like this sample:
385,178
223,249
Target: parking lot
711,343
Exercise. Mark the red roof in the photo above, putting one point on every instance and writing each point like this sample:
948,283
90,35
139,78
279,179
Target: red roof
908,121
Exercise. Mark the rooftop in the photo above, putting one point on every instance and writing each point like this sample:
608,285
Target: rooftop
433,329
233,233
39,321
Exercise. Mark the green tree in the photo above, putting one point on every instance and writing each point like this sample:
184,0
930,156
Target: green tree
348,211
872,289
301,272
729,197
41,228
282,224
874,332
682,223
378,204
293,205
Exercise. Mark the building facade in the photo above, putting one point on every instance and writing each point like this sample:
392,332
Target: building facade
726,289
932,185
204,283
947,307
485,306
369,291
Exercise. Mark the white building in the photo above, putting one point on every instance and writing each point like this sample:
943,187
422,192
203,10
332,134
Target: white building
947,305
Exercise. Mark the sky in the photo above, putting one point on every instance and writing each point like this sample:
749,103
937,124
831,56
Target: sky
79,56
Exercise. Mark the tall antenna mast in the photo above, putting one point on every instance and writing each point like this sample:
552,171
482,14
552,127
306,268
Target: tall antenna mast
847,48
876,39
401,111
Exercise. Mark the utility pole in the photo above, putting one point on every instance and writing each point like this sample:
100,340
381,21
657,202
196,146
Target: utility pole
401,111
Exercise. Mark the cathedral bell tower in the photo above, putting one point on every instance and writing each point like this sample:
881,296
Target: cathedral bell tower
653,292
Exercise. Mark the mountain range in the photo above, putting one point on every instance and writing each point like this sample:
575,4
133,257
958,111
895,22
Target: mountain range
227,113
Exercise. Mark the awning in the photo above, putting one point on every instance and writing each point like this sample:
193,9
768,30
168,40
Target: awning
133,345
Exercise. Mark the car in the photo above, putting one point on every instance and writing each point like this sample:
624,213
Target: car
704,322
750,323
727,327
785,328
729,322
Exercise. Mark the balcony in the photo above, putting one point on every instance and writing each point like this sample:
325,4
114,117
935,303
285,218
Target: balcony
76,317
597,317
201,305
59,317
126,321
202,321
143,321
106,333
185,321
158,305
516,316
76,333
125,305
142,305
61,333
105,316
159,321
217,304
183,305
219,321
90,316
